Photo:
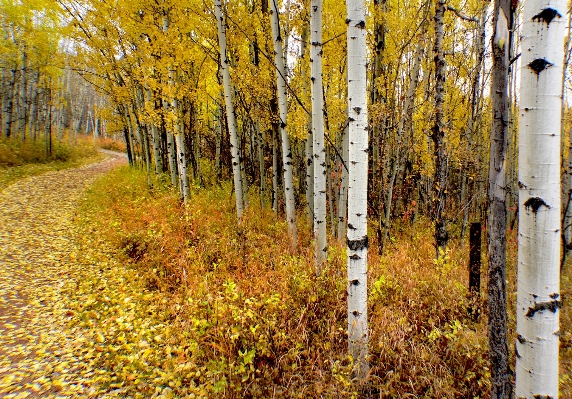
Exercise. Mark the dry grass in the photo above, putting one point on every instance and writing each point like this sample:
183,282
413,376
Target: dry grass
253,321
19,159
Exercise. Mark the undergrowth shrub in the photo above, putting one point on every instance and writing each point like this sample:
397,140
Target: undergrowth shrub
255,322
108,143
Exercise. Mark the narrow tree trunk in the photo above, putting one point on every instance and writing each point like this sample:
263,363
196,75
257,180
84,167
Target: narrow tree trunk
261,170
567,181
48,130
538,298
496,227
289,199
321,245
218,149
230,117
24,95
274,172
343,203
438,133
357,239
155,135
9,105
309,148
331,197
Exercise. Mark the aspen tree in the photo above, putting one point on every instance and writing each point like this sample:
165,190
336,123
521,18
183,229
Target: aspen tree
496,233
438,133
538,298
171,151
319,161
357,239
290,201
230,117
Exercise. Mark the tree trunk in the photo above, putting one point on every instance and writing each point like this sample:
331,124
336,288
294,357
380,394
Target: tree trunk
357,239
155,135
289,199
496,230
309,147
567,178
321,245
343,202
230,117
438,132
274,172
538,298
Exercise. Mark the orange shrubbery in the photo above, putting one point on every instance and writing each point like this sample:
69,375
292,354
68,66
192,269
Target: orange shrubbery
108,143
256,322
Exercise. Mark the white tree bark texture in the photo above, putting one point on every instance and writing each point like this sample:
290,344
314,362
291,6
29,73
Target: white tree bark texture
357,239
320,248
289,199
538,298
230,117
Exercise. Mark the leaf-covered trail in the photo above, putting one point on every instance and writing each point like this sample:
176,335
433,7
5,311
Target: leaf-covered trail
36,244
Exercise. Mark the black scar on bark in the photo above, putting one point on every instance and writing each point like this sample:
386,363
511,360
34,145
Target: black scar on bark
540,306
356,245
351,226
535,203
355,257
360,24
542,396
539,65
354,282
546,15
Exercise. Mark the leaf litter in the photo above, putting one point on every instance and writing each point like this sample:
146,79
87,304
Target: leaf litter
56,315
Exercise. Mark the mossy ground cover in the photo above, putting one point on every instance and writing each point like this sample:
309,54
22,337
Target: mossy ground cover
233,312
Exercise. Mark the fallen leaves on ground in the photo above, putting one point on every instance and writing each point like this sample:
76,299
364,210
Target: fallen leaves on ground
40,355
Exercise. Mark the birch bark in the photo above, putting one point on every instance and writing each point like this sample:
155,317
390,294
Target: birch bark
289,199
230,117
438,134
321,245
538,298
357,239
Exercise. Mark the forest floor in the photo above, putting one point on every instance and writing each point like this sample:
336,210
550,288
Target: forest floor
112,289
37,254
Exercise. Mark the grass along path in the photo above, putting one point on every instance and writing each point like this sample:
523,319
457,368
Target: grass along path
37,259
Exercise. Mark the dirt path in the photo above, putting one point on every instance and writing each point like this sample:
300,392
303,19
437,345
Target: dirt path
36,236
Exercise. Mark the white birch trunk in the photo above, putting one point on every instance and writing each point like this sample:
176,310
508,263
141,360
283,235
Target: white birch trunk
274,172
230,118
538,298
309,139
357,239
343,203
283,111
321,245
